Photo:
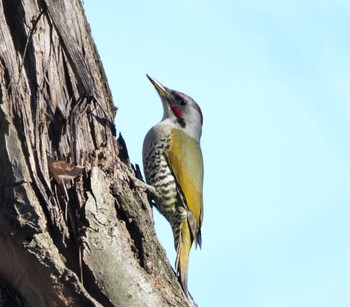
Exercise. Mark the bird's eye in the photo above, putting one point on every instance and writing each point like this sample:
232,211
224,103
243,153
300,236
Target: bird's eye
182,102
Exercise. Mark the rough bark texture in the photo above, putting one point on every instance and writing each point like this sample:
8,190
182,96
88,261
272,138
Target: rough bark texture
76,229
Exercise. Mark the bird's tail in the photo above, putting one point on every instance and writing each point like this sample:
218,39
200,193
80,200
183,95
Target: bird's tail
183,246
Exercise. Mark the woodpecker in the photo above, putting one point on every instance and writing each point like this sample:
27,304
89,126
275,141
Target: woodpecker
173,165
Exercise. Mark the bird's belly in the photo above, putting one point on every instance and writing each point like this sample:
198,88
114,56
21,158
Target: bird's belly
159,175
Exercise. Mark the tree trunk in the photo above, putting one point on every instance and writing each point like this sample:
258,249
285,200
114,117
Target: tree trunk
76,228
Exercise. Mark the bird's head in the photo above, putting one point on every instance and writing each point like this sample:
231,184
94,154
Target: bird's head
180,109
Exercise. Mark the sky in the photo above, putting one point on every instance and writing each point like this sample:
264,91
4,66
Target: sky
272,80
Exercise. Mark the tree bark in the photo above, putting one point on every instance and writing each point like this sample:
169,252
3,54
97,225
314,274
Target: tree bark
76,228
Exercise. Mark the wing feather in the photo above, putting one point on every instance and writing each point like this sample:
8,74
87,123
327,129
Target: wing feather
186,163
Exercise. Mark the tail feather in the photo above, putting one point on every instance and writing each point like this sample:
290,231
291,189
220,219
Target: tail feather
184,244
199,239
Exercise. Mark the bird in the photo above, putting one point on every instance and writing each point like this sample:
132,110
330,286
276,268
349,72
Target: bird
173,166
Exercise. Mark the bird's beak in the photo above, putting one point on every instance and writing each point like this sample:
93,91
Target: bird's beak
162,90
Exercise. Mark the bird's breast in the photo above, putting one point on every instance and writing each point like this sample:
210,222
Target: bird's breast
158,173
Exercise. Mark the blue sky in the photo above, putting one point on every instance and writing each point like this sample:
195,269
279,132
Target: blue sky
272,79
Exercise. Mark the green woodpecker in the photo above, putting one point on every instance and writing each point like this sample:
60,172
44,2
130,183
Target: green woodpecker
173,165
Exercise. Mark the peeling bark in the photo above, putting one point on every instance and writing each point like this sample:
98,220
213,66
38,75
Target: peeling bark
76,229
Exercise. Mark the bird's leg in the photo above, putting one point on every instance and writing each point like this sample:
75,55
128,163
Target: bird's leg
139,184
145,187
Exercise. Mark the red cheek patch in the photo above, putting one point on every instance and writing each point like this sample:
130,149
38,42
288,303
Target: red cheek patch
176,110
